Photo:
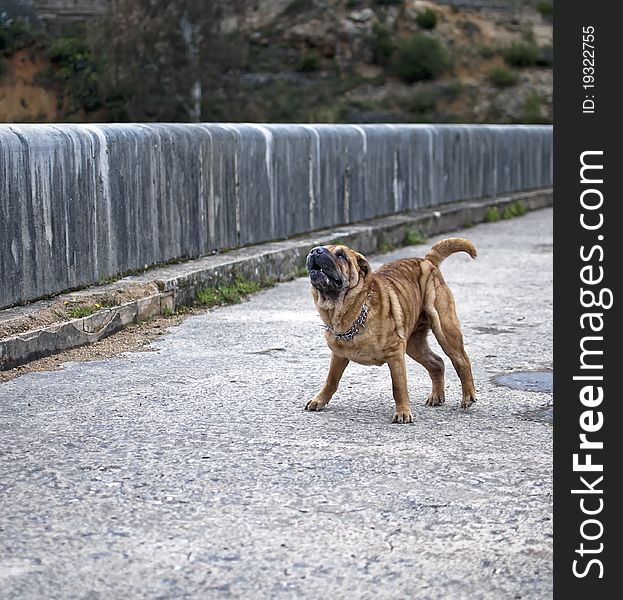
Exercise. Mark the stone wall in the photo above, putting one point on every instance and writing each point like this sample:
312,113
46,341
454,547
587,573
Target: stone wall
79,203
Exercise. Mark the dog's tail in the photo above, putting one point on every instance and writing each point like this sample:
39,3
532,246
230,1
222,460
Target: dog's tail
444,248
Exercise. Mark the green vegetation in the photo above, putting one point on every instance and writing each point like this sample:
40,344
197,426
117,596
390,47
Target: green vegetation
453,90
427,19
492,215
108,280
336,113
486,52
516,209
298,6
280,101
423,103
469,28
15,35
420,57
78,312
76,69
301,272
413,237
362,104
546,8
309,62
520,208
226,294
521,54
494,112
110,71
508,213
229,293
532,109
502,77
383,44
385,246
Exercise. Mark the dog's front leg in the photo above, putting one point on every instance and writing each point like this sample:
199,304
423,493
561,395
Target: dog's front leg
336,369
398,371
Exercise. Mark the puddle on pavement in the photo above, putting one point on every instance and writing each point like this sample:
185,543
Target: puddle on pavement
528,381
545,413
531,381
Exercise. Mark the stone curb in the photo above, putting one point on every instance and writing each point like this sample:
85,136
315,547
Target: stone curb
178,285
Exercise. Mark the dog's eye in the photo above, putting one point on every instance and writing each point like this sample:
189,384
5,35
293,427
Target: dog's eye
341,255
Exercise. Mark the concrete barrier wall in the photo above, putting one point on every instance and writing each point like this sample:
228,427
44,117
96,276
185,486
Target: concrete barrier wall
79,203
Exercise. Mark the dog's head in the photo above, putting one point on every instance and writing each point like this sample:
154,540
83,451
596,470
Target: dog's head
334,270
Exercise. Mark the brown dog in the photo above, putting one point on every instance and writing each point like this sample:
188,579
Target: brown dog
375,318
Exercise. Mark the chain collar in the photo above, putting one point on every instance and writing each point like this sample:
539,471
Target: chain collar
360,321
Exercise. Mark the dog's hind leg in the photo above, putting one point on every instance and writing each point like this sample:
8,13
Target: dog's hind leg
336,370
447,329
419,350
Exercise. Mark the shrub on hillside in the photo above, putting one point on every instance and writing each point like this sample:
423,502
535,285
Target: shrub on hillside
423,103
521,54
427,19
532,109
486,52
298,6
451,91
546,8
15,34
76,68
420,57
309,62
502,77
383,44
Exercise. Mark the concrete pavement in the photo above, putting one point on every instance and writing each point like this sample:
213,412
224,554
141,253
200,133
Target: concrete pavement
193,471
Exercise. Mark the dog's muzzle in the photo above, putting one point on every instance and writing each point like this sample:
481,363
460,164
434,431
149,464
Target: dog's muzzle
323,274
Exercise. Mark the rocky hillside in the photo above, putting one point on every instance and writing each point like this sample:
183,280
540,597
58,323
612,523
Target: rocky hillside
338,61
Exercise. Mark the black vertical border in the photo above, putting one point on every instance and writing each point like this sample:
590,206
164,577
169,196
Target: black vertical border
574,133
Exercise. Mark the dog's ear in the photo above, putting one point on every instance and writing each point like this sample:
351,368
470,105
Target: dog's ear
362,263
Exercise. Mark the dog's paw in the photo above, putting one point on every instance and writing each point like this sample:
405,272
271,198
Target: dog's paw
402,416
315,405
436,399
467,400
